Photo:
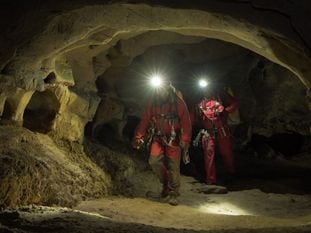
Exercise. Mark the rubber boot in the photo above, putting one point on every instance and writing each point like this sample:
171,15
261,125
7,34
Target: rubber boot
172,198
165,191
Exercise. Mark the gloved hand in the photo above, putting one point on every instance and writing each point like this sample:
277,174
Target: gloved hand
185,152
185,156
219,108
184,145
138,143
196,141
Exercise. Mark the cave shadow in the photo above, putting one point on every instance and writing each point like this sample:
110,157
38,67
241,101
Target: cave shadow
270,175
41,111
275,164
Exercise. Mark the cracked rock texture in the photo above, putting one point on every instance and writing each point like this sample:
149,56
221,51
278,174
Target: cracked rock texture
75,68
80,42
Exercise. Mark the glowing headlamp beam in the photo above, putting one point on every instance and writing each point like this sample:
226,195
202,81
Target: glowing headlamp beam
156,81
203,83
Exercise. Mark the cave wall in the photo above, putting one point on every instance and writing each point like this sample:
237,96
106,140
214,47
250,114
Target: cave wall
272,99
76,60
81,41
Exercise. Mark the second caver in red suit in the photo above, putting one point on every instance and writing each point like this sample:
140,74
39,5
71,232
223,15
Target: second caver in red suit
168,116
212,113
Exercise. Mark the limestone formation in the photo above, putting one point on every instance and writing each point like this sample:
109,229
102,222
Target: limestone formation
34,170
70,68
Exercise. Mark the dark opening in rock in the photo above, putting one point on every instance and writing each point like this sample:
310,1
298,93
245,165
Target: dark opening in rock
286,144
130,127
41,111
7,110
51,78
105,133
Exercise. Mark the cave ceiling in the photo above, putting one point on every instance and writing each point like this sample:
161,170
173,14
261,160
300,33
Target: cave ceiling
77,25
81,43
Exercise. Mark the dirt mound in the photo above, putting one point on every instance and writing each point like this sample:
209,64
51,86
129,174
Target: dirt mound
129,169
36,170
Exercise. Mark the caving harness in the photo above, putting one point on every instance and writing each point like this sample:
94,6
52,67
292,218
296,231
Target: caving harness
216,107
157,132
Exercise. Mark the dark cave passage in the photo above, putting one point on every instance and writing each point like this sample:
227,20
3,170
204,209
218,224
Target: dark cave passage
273,165
41,111
129,128
270,176
74,81
262,163
287,144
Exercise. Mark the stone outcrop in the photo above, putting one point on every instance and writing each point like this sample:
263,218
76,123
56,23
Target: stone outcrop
35,170
67,65
71,42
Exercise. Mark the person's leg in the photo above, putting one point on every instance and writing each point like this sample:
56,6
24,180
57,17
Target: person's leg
208,146
225,151
173,154
173,167
157,163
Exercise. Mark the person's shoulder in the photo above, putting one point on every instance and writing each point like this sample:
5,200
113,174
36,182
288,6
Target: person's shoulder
179,94
179,99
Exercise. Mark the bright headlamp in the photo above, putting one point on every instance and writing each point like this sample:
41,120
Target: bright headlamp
156,81
203,83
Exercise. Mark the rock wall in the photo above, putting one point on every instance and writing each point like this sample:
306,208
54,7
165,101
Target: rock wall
36,170
68,40
66,64
272,99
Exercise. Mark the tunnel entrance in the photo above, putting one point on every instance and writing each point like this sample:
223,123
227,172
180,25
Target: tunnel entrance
7,111
93,30
275,164
117,35
287,144
41,111
129,129
105,133
108,135
246,74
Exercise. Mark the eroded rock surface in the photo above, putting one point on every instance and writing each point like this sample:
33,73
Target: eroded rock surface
34,169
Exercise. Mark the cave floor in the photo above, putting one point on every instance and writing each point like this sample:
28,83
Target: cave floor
237,211
267,196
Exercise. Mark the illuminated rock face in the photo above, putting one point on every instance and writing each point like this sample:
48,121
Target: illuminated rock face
36,170
272,99
92,40
67,66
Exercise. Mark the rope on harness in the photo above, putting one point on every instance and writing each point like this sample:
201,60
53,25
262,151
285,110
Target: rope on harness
202,132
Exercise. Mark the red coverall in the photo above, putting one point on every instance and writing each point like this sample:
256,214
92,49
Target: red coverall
213,112
170,116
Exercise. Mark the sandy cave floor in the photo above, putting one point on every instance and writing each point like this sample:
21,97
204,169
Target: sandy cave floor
248,210
247,207
199,211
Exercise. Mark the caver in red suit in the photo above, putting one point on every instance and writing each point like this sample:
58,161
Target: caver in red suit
167,115
212,113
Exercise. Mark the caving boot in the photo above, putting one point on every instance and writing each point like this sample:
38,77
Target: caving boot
172,198
165,191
